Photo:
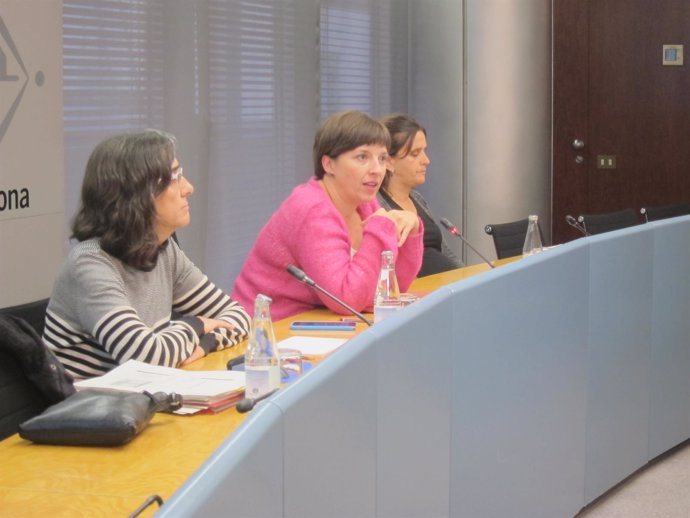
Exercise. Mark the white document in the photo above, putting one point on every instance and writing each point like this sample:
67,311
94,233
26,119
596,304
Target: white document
312,345
136,376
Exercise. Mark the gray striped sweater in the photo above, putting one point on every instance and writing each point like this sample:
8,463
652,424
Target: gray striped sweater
103,312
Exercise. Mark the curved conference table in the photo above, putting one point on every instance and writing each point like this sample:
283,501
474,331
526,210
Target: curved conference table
524,391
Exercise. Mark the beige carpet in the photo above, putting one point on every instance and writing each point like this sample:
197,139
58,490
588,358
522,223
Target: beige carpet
660,490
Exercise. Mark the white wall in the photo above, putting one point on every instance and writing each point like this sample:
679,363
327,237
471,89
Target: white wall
484,91
31,149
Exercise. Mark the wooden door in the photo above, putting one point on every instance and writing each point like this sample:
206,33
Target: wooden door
612,93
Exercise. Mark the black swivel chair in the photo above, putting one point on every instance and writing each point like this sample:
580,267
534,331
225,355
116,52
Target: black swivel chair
33,312
22,394
599,223
665,211
509,238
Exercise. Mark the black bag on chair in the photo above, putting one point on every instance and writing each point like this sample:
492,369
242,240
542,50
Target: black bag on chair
97,417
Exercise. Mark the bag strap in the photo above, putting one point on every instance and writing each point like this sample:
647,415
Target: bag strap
165,402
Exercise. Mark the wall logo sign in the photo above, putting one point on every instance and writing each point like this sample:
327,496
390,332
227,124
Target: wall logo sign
14,78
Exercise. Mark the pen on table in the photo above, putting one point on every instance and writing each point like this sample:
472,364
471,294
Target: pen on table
349,320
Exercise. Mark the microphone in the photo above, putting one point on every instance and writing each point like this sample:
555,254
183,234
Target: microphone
303,277
247,404
576,224
300,275
454,230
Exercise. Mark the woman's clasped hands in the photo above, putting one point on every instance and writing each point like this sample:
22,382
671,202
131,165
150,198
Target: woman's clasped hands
406,222
210,326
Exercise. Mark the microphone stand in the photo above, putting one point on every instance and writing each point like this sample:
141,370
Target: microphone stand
576,224
302,277
454,230
335,299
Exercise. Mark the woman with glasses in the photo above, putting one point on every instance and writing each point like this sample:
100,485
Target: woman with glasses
114,297
333,228
406,171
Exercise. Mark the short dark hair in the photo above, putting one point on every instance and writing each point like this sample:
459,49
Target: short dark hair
403,130
123,176
344,131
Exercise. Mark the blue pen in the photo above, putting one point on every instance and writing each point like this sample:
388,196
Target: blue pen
333,325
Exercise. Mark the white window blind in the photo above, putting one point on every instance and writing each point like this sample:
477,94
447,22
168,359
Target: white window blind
363,56
242,83
257,130
113,76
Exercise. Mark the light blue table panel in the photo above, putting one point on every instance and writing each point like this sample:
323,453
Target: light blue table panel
243,477
329,425
528,390
519,388
670,372
620,312
413,353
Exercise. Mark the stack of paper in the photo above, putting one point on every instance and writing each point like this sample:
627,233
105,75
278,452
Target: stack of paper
210,391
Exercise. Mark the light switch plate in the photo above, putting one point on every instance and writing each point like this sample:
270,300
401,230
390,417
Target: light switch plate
673,55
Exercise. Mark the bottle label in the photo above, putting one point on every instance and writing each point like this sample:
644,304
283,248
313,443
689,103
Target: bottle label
261,380
385,308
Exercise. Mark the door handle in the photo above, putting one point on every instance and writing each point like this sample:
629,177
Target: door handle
578,144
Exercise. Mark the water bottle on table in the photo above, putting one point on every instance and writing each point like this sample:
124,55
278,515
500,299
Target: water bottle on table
262,360
387,298
533,237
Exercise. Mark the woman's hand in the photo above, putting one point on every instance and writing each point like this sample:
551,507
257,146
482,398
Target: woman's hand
406,222
211,323
197,354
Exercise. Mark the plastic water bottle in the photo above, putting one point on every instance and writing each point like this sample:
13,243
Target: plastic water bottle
533,237
261,361
387,298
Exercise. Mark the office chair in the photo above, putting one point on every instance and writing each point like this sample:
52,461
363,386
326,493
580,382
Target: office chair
31,378
509,238
606,222
33,312
665,211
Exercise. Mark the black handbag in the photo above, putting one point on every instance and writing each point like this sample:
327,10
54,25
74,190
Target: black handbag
97,417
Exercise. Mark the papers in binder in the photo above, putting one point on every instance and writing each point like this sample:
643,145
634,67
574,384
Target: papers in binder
210,391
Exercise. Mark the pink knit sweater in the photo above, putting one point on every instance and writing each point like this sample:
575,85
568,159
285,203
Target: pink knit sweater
309,232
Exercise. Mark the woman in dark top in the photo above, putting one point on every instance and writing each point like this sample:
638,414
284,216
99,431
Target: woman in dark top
405,172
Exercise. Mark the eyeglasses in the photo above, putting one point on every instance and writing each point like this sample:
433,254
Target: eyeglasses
176,174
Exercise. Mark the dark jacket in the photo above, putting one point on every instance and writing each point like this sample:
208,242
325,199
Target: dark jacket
38,363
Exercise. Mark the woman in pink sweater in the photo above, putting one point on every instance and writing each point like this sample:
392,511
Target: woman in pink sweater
333,228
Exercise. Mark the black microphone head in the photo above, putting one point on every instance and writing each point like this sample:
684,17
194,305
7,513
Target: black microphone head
300,275
296,272
446,223
245,405
576,224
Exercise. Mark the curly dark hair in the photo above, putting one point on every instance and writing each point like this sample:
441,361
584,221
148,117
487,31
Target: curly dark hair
123,176
345,131
403,130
